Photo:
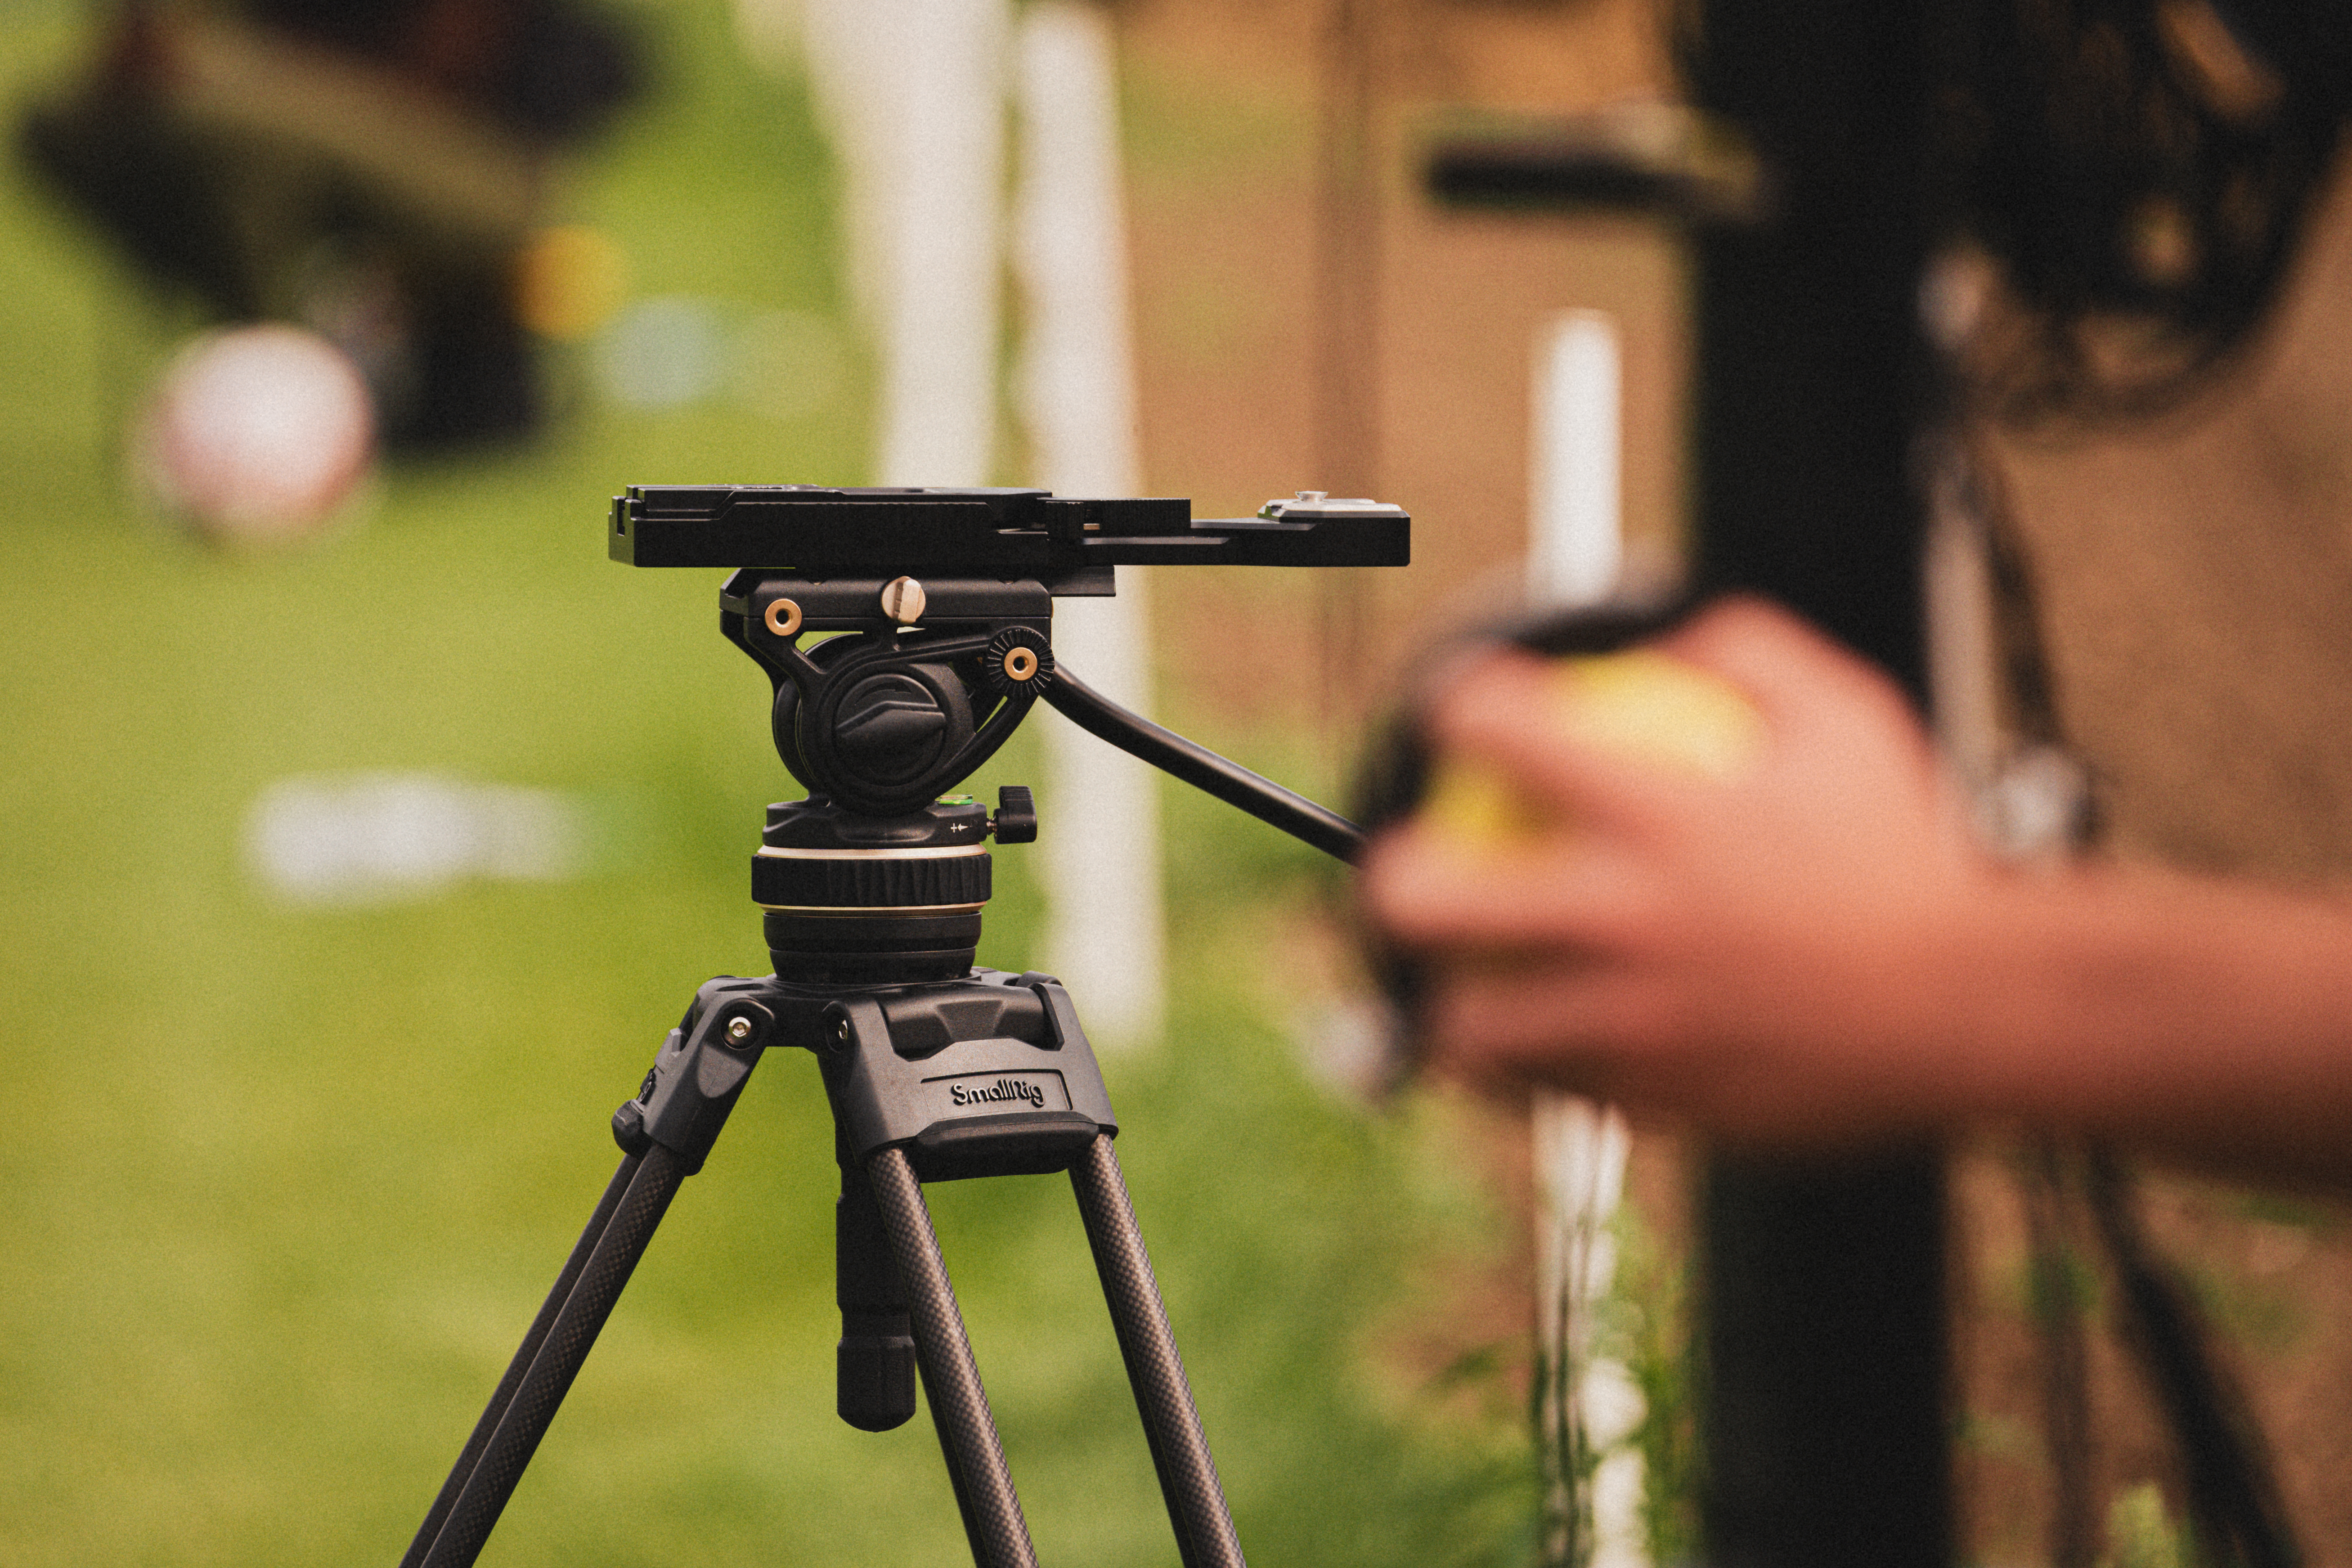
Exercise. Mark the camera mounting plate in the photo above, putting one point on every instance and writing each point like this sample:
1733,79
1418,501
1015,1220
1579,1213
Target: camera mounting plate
1063,542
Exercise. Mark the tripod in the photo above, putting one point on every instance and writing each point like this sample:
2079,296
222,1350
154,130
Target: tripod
872,889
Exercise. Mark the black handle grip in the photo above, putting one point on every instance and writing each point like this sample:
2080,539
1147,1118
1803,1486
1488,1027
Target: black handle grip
874,1369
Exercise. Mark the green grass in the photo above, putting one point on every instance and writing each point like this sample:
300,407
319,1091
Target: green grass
286,1185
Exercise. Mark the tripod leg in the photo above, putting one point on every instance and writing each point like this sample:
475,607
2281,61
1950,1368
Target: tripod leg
1180,1450
499,1462
956,1483
875,1368
992,1510
463,1470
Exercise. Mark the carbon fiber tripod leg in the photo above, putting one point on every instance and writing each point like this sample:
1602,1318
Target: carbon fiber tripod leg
992,1510
498,1463
1180,1450
484,1429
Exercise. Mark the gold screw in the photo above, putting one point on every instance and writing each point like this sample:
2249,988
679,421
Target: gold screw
903,600
1019,663
783,617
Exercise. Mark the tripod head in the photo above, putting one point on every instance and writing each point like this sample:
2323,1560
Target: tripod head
891,688
932,672
926,681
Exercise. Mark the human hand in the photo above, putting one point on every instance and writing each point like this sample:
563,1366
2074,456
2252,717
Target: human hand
1760,950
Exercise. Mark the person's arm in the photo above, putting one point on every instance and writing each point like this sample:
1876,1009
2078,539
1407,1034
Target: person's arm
1815,953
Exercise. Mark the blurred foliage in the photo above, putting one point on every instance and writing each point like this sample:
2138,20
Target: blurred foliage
2140,1533
1651,1309
290,1183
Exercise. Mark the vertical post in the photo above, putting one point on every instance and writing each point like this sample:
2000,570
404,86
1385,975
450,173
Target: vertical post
1585,1407
913,93
1575,524
1825,1343
1100,851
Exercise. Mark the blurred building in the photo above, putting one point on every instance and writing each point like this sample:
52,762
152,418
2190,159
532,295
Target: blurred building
1307,319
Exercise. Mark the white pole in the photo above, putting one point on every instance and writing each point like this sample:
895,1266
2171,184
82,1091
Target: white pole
1098,808
1575,550
1575,539
913,91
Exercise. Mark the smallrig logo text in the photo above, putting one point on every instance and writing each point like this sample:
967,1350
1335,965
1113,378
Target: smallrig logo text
1002,1090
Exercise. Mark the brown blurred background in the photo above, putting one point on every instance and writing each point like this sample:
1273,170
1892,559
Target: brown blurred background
1303,308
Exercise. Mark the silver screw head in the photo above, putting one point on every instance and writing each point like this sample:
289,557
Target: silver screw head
739,1030
903,600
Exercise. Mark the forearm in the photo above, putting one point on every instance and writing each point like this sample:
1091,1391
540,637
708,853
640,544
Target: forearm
2208,1019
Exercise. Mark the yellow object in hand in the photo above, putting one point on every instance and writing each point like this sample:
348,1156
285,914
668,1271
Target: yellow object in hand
1639,705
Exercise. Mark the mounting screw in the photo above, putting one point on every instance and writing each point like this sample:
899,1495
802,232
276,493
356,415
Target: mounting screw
739,1029
903,600
783,617
1313,498
840,1031
1020,664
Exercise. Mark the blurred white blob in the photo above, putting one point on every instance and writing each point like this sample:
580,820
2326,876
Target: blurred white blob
1611,1405
1575,538
664,353
376,839
679,350
1350,1042
257,434
1619,1537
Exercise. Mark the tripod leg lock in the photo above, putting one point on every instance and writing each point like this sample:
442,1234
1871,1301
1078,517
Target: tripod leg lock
698,1073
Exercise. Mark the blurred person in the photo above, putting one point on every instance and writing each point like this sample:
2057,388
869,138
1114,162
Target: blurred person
1815,952
370,170
1818,953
